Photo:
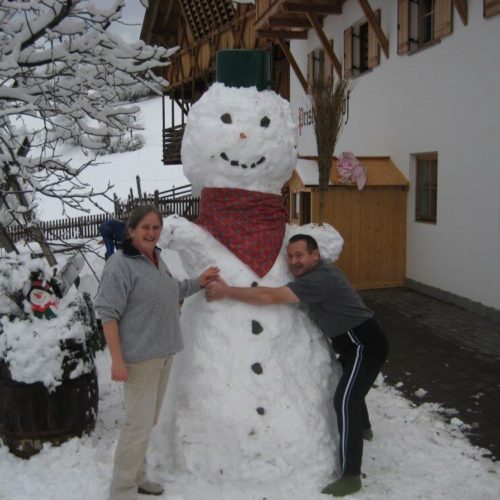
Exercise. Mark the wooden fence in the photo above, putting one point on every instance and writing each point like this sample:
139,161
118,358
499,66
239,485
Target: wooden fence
87,226
185,206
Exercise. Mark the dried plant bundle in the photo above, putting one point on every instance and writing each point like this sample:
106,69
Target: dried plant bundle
328,99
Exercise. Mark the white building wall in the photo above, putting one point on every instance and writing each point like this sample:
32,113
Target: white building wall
444,98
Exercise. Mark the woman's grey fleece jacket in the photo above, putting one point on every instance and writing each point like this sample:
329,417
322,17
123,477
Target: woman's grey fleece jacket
144,300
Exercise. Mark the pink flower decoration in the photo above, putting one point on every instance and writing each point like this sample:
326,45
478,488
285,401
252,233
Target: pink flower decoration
351,170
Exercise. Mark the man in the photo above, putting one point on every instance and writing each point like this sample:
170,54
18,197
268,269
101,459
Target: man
113,233
356,337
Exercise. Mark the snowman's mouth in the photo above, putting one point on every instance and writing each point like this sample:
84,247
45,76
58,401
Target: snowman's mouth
236,163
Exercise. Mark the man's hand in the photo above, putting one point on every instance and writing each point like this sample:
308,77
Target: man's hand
209,275
260,295
216,290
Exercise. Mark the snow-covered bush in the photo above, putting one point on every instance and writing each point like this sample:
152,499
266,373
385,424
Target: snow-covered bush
120,144
46,341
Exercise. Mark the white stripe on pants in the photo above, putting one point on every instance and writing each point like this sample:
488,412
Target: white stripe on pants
347,393
143,394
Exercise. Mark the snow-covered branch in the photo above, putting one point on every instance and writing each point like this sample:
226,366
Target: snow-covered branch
63,77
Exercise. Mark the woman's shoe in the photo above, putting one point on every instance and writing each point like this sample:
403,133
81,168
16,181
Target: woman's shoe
150,488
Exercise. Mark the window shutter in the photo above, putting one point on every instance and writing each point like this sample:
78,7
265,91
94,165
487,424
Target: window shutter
491,7
443,24
348,52
310,68
328,64
373,45
403,26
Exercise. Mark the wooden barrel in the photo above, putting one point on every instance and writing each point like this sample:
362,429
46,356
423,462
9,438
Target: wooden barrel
31,415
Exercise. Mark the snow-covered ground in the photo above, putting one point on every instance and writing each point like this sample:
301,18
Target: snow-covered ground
417,453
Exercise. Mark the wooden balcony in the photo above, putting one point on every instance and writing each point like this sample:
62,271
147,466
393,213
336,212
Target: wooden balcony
291,19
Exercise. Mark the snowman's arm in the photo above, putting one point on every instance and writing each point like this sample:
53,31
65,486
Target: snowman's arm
189,240
329,240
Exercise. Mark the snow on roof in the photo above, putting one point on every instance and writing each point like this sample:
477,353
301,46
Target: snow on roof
381,171
308,171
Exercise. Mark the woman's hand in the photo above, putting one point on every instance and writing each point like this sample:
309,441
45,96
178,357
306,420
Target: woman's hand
119,371
216,289
209,275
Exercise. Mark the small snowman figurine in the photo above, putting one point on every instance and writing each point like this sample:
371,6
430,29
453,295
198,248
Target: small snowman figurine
42,298
251,395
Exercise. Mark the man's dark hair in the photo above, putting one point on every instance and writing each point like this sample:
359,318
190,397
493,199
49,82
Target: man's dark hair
312,244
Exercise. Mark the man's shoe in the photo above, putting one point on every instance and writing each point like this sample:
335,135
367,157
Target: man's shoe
346,485
367,434
150,488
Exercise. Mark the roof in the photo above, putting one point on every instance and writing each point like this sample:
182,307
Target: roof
381,171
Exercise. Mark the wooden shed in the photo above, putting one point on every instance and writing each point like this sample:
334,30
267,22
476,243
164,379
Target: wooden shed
371,221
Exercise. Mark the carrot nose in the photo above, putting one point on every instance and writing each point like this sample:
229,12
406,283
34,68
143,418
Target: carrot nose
243,135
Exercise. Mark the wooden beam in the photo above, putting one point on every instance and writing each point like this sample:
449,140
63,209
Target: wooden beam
263,20
293,64
6,241
150,17
33,230
375,24
286,34
289,21
462,9
238,29
325,43
316,8
166,18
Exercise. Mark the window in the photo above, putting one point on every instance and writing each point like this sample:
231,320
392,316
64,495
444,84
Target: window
301,207
305,208
361,48
426,187
422,23
319,64
362,53
425,21
295,202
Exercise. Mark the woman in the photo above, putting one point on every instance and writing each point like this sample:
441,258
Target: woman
138,304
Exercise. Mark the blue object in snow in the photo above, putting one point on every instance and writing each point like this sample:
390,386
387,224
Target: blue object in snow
113,234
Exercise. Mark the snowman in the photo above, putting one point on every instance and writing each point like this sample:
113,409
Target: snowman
251,395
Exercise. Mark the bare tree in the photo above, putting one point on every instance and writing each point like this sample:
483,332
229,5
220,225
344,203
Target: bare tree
62,73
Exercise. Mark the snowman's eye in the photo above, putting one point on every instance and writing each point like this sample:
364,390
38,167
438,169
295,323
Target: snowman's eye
226,118
265,122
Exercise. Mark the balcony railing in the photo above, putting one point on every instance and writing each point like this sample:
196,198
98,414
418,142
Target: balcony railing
172,139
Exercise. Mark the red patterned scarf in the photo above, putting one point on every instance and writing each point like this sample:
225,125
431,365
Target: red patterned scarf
251,224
